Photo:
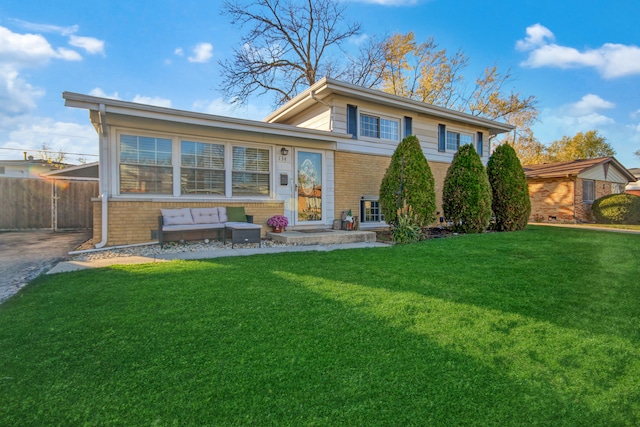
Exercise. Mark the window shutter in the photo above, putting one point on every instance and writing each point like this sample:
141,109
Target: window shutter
480,146
408,125
352,121
442,134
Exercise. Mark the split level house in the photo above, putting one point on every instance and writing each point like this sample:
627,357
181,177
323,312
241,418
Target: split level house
565,191
320,154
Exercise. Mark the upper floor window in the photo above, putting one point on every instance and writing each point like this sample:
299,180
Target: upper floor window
456,139
379,127
145,165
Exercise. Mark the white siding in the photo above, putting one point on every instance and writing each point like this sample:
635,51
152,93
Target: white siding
425,128
597,173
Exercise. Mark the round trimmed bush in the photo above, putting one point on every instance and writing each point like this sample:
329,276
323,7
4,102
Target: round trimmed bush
509,191
410,170
617,209
466,198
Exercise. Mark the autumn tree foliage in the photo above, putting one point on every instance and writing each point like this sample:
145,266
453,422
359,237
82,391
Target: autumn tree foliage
588,145
466,197
408,185
509,191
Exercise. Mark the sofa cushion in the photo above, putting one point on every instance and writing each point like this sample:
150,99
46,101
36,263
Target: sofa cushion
236,214
205,215
222,214
176,216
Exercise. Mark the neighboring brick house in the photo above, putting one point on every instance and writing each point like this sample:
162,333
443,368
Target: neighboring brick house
565,191
322,153
634,187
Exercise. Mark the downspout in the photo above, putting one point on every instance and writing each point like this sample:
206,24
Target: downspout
104,174
331,118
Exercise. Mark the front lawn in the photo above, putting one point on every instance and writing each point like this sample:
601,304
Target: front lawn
540,327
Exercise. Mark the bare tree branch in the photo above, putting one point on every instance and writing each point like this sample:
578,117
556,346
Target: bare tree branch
287,44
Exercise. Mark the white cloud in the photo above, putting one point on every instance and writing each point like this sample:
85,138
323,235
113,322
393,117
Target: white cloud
359,40
178,51
157,101
537,36
580,116
589,104
47,28
202,53
89,44
219,107
102,94
28,50
140,99
32,132
611,60
17,97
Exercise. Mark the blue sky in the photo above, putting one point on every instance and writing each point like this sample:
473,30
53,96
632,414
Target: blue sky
581,59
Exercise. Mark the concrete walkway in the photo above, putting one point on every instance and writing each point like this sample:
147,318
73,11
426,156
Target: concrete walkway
72,265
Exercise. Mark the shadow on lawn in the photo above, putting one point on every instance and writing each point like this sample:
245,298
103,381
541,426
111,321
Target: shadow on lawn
283,348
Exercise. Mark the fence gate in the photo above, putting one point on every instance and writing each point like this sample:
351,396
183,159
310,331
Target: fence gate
55,204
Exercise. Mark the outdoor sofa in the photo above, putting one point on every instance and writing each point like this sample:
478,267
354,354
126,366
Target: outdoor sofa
219,218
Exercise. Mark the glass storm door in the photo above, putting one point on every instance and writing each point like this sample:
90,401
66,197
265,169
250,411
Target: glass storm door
309,187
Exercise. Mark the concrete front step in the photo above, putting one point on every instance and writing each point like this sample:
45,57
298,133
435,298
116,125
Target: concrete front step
324,237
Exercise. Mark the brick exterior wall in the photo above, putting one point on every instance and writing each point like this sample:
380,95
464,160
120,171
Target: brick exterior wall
359,175
133,222
560,199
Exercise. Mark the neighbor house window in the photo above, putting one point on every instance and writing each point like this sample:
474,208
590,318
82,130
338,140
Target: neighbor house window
2,170
588,191
456,139
379,127
617,188
145,165
251,174
202,168
370,211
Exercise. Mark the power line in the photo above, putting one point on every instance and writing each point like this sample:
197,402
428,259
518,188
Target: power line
48,151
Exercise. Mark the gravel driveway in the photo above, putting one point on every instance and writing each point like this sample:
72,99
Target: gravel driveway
24,255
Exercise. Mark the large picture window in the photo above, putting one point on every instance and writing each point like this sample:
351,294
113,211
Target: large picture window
251,172
202,168
145,165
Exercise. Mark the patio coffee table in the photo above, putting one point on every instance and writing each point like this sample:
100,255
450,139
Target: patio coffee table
242,232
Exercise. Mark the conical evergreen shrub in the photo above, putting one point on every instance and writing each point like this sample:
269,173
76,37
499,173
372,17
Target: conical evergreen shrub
466,198
409,171
510,194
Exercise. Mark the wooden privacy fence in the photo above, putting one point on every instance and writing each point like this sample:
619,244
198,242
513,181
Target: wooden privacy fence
56,204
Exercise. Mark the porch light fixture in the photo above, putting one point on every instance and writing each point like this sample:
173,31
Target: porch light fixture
284,151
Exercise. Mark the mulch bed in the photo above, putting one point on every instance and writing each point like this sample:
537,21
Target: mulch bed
384,236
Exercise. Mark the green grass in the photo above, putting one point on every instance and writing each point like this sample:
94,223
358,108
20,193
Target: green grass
539,327
635,227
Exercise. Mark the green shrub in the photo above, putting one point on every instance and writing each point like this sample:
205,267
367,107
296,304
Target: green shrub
410,171
617,209
509,191
466,199
406,230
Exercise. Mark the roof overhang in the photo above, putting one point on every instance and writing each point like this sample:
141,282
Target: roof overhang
327,87
571,169
102,107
